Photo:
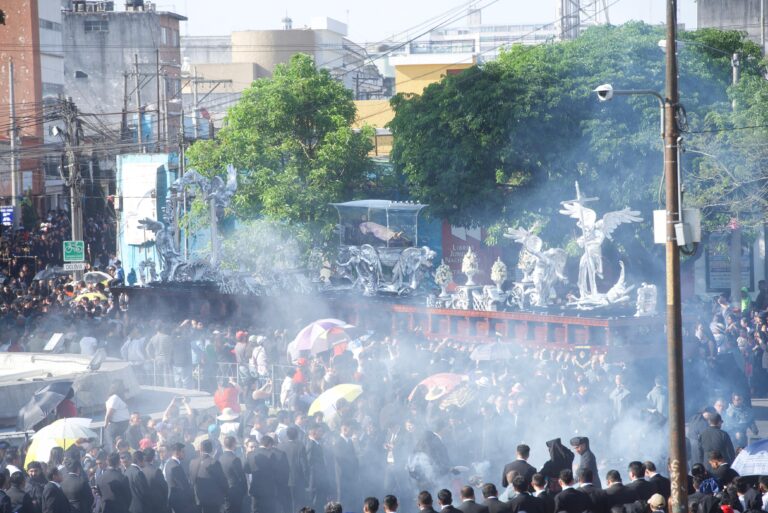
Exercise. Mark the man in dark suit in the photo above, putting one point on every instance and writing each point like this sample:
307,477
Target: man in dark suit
261,464
138,484
297,468
641,487
468,504
541,492
580,445
715,439
237,485
54,500
491,499
661,483
445,500
208,480
721,469
76,487
586,486
748,497
180,494
616,494
346,465
317,479
524,501
113,487
35,485
520,465
158,488
570,499
425,502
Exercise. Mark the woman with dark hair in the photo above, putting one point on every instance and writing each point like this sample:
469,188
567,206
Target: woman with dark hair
56,457
117,415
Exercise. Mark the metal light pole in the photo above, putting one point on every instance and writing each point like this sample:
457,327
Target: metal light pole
669,103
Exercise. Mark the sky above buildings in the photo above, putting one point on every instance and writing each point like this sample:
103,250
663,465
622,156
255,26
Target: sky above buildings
376,21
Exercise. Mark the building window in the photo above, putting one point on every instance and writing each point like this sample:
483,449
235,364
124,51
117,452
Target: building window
164,35
50,25
97,26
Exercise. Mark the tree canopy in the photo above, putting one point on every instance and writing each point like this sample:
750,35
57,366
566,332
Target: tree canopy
291,138
503,143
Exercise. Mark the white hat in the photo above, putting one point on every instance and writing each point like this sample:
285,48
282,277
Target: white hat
228,414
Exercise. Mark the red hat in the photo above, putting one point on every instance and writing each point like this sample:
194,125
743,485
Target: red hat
241,335
145,443
301,362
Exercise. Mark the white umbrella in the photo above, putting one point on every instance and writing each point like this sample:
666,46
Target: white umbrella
752,460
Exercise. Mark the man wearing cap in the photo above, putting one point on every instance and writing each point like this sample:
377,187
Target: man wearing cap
580,446
229,422
657,503
179,488
208,480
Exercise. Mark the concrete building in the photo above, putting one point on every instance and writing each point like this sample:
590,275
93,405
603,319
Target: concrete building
224,70
101,47
741,15
20,40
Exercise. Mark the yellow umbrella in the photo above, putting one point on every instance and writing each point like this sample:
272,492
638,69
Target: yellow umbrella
91,296
326,402
62,433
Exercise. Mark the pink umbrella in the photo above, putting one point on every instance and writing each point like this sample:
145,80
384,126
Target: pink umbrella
438,385
320,336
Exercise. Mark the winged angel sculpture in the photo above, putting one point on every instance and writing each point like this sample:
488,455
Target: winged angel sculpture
594,232
542,268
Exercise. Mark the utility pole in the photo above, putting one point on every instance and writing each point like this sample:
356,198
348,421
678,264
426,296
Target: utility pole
677,457
13,135
762,25
73,179
158,125
164,96
194,102
735,246
140,130
182,170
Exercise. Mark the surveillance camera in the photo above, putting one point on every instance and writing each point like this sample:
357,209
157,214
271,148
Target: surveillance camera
604,92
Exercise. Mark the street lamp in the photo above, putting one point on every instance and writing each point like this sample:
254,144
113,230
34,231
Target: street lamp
606,92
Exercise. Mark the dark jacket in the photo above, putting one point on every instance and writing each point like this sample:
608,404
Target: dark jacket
317,477
114,491
642,488
158,489
472,507
560,458
297,463
494,505
21,501
208,480
522,467
596,497
262,466
34,488
54,500
715,439
237,484
141,501
589,461
180,492
547,498
617,495
572,501
724,474
78,493
526,502
662,484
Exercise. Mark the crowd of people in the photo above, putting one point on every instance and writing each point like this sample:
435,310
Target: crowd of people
423,444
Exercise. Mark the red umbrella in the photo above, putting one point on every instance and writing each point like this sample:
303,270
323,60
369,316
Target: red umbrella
438,385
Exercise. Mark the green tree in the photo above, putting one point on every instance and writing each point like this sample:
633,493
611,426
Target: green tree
503,143
291,138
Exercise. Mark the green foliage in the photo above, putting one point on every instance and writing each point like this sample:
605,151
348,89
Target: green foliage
503,144
290,136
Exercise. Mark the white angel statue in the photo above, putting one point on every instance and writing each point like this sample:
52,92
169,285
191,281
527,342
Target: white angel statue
594,232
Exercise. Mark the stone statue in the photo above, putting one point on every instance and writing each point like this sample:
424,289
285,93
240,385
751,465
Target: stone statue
646,300
542,269
469,266
594,232
411,268
362,266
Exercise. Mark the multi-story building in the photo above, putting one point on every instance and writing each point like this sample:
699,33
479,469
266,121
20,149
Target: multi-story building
222,67
20,44
107,53
741,15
